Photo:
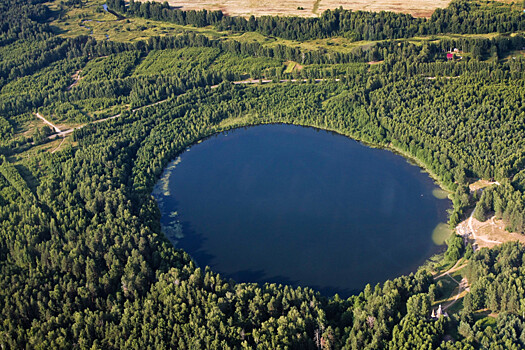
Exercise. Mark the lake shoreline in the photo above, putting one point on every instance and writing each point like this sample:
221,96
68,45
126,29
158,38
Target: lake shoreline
248,124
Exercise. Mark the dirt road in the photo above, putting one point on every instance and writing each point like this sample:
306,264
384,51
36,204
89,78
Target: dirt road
54,127
76,79
266,81
64,133
462,286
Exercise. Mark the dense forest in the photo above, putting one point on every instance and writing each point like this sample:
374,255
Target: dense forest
83,259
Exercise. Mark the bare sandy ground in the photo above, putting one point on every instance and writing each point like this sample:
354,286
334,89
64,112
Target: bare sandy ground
311,8
487,234
480,184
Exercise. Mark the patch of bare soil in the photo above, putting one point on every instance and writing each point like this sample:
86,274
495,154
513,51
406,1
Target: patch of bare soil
76,79
487,234
480,184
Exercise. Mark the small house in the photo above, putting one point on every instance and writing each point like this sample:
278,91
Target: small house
450,56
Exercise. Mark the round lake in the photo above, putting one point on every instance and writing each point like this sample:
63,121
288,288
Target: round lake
300,206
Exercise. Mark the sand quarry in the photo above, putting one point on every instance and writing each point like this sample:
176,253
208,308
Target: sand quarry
489,233
417,8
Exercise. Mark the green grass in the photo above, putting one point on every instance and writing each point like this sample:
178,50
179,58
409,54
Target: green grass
339,44
290,67
441,265
486,322
102,25
25,123
252,37
446,288
98,108
456,308
232,122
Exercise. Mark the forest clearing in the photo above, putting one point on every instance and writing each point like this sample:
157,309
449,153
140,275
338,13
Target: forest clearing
487,234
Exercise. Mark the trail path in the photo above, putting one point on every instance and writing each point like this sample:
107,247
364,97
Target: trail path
266,81
76,79
452,269
316,7
68,131
64,133
54,127
462,286
58,147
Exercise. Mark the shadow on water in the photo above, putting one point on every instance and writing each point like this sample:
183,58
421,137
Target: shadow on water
260,277
194,242
191,242
330,291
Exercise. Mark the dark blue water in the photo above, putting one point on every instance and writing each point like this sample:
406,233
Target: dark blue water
294,205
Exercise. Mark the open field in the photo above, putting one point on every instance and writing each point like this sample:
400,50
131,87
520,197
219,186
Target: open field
417,8
92,20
